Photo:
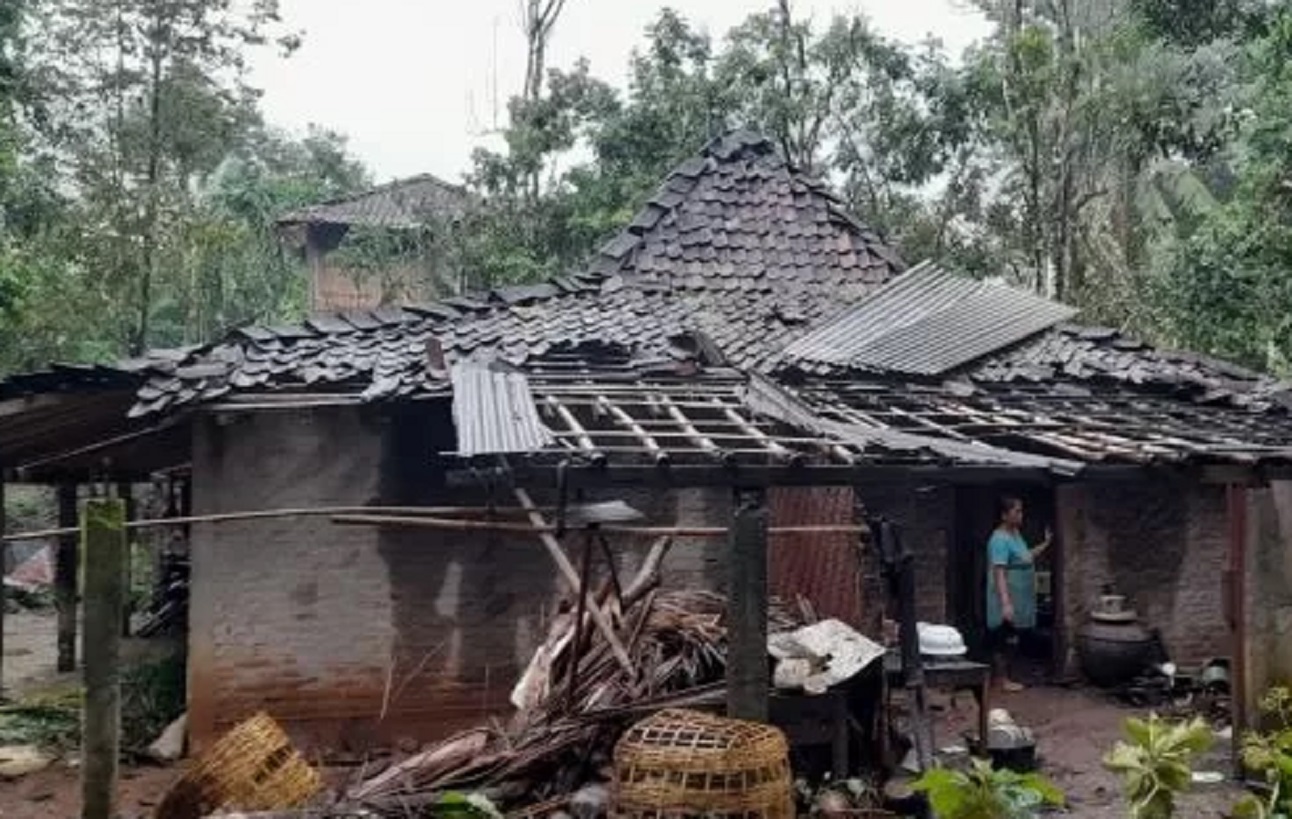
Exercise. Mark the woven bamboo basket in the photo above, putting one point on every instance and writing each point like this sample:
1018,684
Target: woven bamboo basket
681,763
254,767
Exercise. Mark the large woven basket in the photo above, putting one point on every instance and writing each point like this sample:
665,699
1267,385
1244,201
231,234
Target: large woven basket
680,763
254,767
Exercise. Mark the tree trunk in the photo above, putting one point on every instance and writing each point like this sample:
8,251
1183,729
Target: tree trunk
149,261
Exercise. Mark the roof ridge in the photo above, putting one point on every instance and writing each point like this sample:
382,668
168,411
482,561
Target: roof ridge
733,145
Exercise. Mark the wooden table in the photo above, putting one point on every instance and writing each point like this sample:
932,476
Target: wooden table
954,673
815,719
828,719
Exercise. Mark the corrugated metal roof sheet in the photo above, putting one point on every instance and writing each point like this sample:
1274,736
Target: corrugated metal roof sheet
928,322
494,412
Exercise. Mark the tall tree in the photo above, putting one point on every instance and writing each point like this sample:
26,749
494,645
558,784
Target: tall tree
151,94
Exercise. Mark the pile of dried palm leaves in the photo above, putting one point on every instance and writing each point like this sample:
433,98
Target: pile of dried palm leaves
574,701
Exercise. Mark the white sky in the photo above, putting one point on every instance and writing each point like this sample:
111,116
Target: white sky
413,82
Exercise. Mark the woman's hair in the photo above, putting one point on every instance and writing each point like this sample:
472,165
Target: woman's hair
1005,504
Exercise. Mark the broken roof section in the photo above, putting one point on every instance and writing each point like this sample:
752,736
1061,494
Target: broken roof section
494,413
717,418
736,247
926,322
403,204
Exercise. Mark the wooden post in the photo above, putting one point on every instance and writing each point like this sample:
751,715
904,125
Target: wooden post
1235,587
4,594
66,569
126,492
105,542
748,675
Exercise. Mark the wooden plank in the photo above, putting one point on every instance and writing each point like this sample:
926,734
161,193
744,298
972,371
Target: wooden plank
66,569
125,491
676,477
748,677
105,548
571,576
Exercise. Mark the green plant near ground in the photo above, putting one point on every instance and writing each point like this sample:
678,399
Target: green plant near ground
1156,764
152,696
50,720
455,805
984,792
1268,754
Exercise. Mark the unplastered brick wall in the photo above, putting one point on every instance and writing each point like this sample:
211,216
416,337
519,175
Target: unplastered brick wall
925,515
287,614
1161,542
331,627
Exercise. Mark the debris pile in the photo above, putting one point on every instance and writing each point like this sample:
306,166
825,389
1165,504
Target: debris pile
575,700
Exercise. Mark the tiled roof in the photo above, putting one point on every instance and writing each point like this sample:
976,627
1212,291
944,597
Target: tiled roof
736,257
404,203
1103,356
736,249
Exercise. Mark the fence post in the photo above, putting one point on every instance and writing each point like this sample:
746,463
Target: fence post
747,667
104,533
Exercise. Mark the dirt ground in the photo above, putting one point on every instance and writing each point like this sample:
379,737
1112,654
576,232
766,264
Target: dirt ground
1074,729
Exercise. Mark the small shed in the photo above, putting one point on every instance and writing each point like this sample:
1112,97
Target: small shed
396,232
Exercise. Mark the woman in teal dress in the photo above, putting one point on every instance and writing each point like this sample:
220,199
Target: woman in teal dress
1011,587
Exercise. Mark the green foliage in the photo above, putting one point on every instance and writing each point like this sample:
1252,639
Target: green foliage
50,720
455,805
1225,288
152,696
1128,156
983,792
1156,763
1268,754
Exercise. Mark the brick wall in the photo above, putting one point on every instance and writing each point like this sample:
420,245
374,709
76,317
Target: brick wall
265,630
326,625
926,516
1160,542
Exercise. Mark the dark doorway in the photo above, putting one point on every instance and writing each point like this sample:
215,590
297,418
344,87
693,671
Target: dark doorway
975,518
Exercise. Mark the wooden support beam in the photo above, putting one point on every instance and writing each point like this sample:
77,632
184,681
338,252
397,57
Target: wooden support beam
125,491
748,678
756,434
105,547
1235,587
692,434
576,429
677,477
66,569
4,594
622,417
571,576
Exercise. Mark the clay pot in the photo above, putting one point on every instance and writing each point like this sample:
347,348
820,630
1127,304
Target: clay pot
1113,647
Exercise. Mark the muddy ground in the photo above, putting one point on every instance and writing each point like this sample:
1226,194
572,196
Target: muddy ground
1074,728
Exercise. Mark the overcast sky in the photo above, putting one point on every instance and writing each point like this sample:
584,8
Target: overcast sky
413,82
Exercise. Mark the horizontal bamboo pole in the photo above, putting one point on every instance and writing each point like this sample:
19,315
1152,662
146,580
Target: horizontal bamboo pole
463,525
297,512
424,516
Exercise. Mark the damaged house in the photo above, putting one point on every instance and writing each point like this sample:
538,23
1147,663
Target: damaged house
743,332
